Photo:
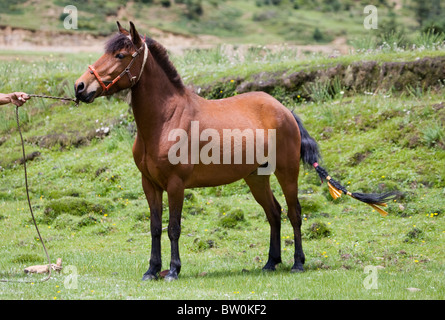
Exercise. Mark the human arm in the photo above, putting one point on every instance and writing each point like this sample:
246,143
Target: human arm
16,98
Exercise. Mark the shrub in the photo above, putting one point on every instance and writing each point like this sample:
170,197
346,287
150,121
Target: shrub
66,220
413,234
26,258
75,206
166,3
201,244
232,218
192,203
194,9
317,35
317,230
311,203
434,135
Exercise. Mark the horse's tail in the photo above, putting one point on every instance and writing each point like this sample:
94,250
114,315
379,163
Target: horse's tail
310,155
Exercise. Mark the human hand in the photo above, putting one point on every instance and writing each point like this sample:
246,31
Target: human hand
18,98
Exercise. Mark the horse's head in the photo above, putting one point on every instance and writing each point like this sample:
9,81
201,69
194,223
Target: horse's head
119,68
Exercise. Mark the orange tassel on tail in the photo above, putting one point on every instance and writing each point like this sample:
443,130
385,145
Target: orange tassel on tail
335,193
376,201
382,212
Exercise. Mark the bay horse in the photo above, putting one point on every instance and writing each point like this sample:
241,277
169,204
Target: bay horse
163,105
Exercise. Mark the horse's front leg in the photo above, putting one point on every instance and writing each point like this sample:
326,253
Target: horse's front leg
175,191
154,198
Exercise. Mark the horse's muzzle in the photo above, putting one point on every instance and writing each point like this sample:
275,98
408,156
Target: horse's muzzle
82,94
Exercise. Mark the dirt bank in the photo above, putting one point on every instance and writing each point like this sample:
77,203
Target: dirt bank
363,76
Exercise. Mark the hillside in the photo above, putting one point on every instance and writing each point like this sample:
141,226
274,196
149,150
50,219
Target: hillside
247,21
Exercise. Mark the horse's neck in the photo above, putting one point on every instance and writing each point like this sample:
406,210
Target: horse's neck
154,101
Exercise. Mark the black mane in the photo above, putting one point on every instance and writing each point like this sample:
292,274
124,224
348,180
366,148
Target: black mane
159,53
117,43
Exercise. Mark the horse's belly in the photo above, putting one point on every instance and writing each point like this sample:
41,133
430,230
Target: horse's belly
218,174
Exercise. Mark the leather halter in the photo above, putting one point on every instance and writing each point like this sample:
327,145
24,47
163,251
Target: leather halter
132,78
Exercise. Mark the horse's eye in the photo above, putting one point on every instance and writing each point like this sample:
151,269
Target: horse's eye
120,56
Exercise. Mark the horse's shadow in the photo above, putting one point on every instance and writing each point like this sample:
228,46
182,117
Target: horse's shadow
255,272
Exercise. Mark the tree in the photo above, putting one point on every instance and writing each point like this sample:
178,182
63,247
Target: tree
427,11
194,9
318,36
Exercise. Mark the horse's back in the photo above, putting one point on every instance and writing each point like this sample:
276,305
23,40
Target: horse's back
257,109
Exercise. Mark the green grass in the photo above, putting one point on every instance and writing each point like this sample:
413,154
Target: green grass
93,214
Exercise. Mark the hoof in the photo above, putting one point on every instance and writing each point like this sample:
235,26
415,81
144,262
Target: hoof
297,269
171,276
268,269
271,265
149,276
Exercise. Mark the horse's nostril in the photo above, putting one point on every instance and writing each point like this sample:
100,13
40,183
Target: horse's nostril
80,87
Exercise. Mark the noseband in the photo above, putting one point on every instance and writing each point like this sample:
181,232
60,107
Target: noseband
132,78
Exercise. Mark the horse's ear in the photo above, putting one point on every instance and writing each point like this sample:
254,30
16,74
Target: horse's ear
122,30
135,35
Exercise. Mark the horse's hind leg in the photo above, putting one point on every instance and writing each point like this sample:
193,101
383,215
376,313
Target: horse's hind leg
260,188
288,180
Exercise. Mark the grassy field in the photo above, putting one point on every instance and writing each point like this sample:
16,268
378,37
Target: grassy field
92,213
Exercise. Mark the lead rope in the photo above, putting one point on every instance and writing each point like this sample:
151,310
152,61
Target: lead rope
53,97
29,204
27,187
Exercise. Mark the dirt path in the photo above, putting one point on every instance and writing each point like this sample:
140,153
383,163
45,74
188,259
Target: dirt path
31,40
50,41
